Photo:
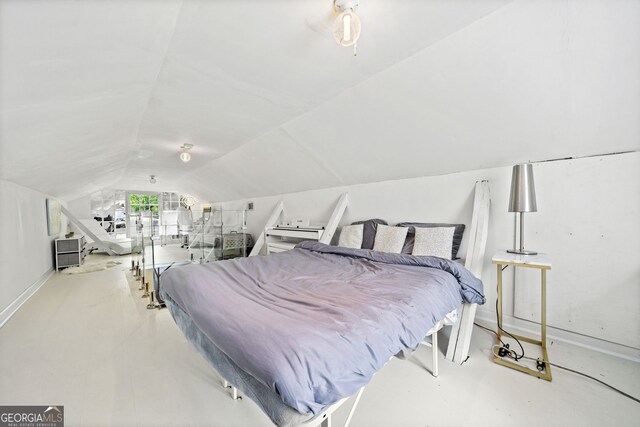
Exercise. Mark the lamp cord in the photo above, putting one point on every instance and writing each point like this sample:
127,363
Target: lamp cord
516,357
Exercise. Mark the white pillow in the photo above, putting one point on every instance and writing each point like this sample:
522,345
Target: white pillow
433,241
390,239
351,236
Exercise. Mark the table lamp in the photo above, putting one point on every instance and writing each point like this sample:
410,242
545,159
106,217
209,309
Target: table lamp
523,199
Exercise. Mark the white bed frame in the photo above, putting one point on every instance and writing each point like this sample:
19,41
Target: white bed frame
460,338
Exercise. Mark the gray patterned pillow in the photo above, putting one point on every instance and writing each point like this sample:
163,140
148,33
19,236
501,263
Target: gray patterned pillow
408,244
434,241
351,236
390,239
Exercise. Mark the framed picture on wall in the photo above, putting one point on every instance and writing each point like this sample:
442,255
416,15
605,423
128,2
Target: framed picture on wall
54,217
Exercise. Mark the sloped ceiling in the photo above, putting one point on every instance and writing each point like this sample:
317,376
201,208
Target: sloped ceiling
101,94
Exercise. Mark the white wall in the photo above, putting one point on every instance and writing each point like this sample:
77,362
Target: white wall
589,223
26,250
593,287
81,207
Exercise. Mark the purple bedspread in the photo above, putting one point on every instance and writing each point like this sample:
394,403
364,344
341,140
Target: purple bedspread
315,323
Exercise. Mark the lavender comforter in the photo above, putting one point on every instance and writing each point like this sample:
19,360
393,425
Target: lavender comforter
315,323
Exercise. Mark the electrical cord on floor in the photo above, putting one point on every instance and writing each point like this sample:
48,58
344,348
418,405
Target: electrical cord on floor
503,350
590,377
507,353
493,349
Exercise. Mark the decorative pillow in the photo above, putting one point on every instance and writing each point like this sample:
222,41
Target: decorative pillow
369,232
434,241
408,244
390,239
351,236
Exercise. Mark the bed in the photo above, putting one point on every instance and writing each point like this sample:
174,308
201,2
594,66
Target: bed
300,332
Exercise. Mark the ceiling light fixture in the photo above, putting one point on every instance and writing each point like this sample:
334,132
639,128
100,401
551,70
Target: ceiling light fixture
153,179
346,28
188,201
185,156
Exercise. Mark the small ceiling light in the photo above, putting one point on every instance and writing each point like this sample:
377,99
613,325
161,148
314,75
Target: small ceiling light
346,29
185,156
153,179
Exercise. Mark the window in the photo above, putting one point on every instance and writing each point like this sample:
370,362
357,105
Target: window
144,209
169,216
108,208
170,201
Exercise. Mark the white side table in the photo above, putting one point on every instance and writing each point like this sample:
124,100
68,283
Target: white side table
542,263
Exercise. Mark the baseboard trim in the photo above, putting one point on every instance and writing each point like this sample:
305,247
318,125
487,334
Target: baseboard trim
528,328
6,314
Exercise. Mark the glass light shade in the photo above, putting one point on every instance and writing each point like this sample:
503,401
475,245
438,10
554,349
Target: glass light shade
185,157
346,29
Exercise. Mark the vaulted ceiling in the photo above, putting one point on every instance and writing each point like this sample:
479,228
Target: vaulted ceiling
101,94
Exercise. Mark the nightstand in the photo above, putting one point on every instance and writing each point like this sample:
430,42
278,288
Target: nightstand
541,262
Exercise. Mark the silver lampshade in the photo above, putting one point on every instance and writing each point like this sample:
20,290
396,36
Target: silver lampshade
523,199
523,191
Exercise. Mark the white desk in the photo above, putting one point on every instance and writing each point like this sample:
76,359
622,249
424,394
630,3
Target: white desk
541,262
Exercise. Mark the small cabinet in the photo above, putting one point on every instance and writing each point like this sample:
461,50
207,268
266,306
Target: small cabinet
70,252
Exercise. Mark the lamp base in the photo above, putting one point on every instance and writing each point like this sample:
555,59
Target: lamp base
521,252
